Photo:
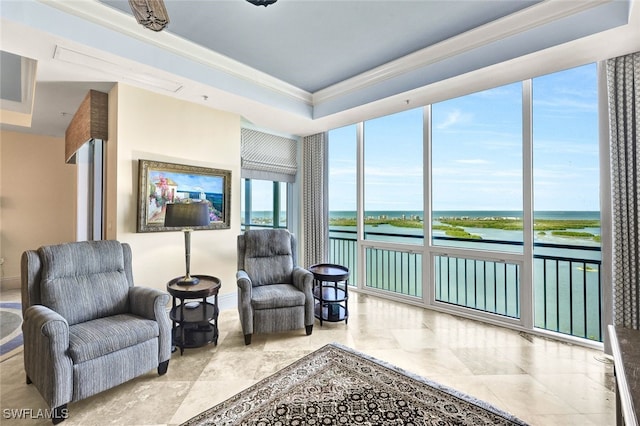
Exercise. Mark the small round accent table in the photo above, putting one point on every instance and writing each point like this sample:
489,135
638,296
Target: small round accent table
331,292
195,323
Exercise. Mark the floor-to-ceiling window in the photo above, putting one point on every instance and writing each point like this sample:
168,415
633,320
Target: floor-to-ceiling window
566,202
393,202
476,179
509,177
393,178
343,199
476,198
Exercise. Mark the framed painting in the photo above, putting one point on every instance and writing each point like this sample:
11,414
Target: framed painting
162,183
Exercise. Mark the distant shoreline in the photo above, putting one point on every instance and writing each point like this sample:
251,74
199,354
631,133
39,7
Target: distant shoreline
573,225
538,214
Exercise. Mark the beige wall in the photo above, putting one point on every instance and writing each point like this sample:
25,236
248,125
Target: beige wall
37,198
154,127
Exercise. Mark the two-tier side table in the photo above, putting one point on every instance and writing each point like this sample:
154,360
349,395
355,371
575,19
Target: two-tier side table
195,320
331,292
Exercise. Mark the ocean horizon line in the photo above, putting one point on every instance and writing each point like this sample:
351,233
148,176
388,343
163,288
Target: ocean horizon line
538,214
541,214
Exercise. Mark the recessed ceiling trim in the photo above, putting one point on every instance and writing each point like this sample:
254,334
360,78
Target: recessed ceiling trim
119,21
527,19
76,57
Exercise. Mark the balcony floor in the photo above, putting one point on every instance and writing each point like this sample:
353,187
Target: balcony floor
541,381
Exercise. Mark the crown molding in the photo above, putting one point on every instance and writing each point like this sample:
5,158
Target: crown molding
123,23
500,29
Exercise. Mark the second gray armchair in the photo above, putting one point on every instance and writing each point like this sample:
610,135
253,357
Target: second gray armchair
274,294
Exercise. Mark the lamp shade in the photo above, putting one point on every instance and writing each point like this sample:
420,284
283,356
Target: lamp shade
186,215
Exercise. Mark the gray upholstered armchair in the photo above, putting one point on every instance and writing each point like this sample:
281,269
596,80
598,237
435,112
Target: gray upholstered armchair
86,327
274,294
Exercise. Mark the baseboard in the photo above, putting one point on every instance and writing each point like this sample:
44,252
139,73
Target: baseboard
228,301
10,283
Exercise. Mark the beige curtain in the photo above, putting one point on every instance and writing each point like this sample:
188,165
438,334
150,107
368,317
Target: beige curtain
623,81
314,198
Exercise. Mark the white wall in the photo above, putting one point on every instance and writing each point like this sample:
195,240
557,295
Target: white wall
149,126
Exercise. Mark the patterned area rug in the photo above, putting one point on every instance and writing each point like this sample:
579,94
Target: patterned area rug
10,329
337,386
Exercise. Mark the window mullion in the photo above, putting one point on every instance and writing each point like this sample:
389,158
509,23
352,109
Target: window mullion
276,204
361,261
428,278
247,203
526,293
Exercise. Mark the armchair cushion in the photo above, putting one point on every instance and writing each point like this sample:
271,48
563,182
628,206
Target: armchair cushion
268,257
276,296
87,290
93,339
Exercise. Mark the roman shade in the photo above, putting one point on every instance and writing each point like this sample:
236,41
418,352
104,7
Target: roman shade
268,157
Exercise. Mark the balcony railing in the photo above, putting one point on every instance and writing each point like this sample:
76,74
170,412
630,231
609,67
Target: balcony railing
393,270
567,288
483,285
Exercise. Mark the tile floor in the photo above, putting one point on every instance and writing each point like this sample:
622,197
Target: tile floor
541,381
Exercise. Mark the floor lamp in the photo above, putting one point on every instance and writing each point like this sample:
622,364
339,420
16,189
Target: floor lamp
187,216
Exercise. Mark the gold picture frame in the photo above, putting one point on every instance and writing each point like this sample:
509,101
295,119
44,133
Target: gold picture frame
160,183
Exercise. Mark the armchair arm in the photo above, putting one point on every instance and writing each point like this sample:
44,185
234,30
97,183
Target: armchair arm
151,303
303,280
46,342
244,301
148,302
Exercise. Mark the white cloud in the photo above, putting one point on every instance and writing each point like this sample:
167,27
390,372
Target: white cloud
454,117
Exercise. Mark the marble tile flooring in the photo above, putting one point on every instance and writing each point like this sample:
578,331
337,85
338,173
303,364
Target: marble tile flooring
541,381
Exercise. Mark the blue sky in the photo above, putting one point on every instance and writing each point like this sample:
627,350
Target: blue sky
191,182
477,151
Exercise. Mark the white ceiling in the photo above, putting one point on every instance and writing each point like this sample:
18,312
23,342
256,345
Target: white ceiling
302,66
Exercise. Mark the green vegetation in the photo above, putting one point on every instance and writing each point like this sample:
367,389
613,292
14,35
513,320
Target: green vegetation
557,227
516,224
554,224
341,221
456,232
401,223
454,226
484,222
461,233
404,223
574,234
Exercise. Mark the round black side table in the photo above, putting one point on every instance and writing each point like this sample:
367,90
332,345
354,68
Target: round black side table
331,292
195,322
